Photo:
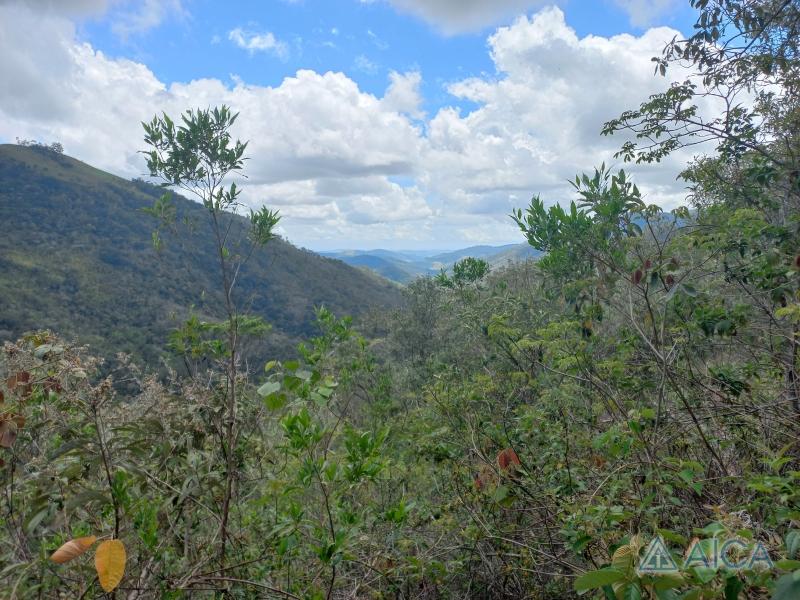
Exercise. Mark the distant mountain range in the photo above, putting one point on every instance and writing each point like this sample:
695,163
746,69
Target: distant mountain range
76,256
404,266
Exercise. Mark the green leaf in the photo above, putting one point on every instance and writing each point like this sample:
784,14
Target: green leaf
632,592
704,574
269,388
668,581
792,543
36,519
712,529
275,401
501,493
788,587
597,579
733,586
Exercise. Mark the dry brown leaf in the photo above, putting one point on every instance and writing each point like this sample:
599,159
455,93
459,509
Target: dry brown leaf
508,460
109,561
8,433
72,549
598,461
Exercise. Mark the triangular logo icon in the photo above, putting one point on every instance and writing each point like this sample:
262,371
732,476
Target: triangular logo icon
657,558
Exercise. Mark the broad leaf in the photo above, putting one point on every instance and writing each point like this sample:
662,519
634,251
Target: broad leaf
72,549
597,579
109,561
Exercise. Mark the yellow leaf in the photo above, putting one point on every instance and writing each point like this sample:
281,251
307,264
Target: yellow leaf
72,549
622,558
109,561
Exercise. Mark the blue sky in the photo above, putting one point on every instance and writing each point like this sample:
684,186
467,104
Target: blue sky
392,123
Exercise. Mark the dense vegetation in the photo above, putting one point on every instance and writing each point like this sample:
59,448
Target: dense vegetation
523,433
76,257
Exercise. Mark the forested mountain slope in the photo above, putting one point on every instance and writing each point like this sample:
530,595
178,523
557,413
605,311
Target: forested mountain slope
76,256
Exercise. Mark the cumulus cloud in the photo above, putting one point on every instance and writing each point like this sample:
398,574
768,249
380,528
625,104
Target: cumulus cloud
403,94
537,123
259,42
350,168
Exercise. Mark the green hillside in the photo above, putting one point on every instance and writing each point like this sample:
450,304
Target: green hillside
76,256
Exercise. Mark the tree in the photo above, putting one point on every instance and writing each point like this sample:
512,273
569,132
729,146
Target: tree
197,156
743,56
55,147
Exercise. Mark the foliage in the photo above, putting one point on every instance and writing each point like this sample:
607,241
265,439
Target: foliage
197,156
742,53
537,431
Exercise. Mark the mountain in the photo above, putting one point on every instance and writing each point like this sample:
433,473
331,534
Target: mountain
513,253
495,255
400,267
389,268
404,266
76,256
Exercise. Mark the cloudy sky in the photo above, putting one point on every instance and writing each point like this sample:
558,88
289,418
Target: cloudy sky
372,123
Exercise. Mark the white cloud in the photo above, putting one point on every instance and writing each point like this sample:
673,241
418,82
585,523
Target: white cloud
346,167
538,121
403,94
68,7
126,17
646,12
259,42
365,65
145,15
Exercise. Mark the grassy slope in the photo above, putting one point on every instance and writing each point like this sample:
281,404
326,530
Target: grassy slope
76,256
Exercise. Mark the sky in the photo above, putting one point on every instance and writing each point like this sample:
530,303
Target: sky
400,124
